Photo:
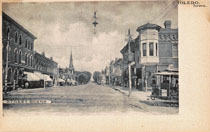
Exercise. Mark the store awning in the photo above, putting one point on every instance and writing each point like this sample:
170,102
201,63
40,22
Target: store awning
31,76
167,73
60,80
43,76
47,78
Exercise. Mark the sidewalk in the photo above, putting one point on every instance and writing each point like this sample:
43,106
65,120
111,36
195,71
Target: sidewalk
140,95
144,97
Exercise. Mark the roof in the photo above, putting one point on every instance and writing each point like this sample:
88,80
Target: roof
148,26
5,16
133,44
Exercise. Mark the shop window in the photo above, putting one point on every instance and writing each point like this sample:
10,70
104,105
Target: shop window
144,49
151,49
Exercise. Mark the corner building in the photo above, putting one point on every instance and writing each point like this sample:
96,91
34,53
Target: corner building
155,50
20,50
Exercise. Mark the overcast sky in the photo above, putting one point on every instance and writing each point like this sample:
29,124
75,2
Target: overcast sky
66,26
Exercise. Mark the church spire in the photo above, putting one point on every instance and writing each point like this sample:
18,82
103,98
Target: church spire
71,62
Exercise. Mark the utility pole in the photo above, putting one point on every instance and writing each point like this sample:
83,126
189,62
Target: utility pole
7,59
129,64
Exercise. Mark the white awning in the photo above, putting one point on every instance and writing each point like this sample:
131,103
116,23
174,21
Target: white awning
43,76
166,73
32,76
47,78
60,80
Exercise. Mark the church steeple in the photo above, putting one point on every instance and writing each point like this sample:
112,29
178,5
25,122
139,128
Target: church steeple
71,62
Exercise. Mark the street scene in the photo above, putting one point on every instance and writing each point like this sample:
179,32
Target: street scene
90,57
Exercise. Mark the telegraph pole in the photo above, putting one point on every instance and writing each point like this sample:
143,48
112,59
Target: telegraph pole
129,64
6,67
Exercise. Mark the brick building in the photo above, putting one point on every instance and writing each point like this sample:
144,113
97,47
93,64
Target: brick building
155,49
45,65
20,44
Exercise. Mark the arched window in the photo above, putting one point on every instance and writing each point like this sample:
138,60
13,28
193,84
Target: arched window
8,31
26,43
16,55
20,57
31,61
16,37
26,59
31,46
20,39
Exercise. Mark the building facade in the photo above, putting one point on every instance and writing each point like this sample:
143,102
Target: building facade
154,50
18,50
45,65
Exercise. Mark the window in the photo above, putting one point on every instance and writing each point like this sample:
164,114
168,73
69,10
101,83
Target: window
151,49
20,55
144,49
26,43
31,46
31,61
16,55
26,59
8,31
16,37
156,47
20,40
175,50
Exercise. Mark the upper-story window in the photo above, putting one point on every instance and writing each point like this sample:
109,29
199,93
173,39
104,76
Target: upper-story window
31,46
20,57
175,50
8,31
26,59
16,55
156,49
144,49
26,43
16,37
151,49
20,39
31,61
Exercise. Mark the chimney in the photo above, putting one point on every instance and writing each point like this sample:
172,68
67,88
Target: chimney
167,24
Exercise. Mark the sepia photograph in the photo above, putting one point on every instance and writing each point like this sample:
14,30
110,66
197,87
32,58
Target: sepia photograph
90,57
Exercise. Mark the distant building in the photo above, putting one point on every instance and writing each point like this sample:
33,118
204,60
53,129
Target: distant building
155,49
20,49
68,73
117,71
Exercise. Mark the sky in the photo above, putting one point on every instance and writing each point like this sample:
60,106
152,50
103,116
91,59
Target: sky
65,27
